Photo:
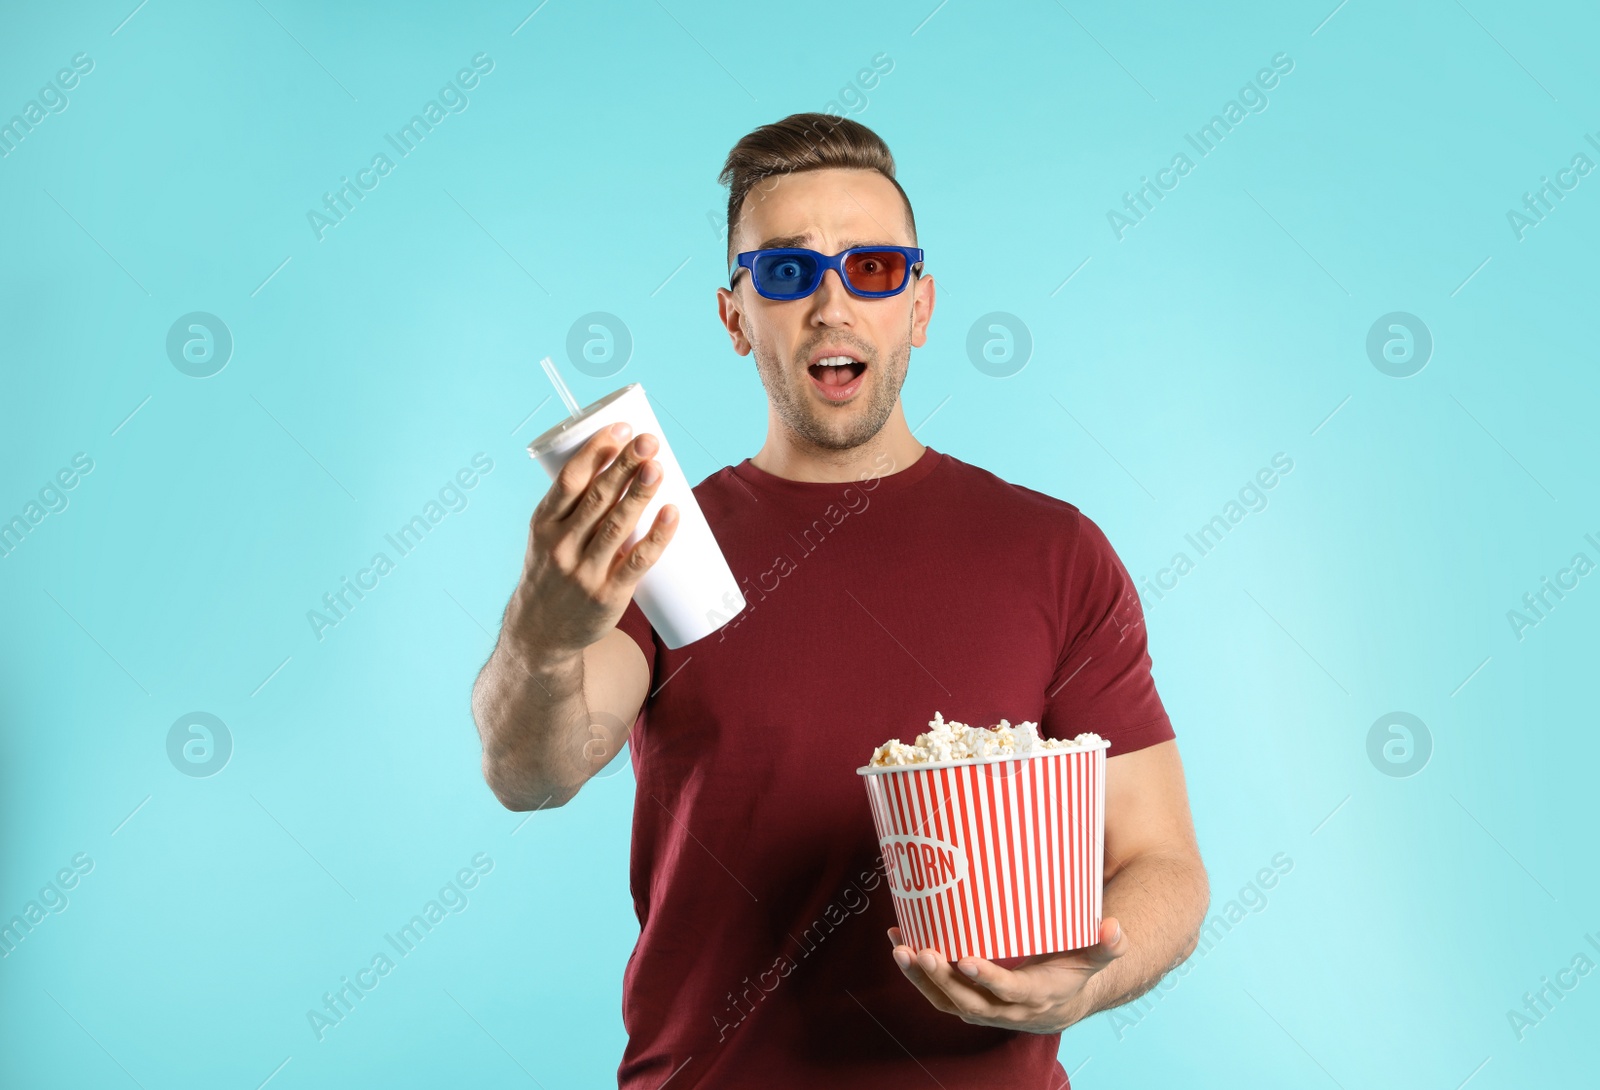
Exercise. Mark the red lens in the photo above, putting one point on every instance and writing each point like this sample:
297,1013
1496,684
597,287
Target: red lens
876,270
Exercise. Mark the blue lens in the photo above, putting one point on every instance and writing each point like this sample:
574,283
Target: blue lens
785,274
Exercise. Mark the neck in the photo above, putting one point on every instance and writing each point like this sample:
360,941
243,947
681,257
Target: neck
786,455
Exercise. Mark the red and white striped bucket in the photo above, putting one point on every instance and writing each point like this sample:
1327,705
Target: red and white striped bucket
995,857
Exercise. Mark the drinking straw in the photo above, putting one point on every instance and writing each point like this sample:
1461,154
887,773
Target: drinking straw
562,392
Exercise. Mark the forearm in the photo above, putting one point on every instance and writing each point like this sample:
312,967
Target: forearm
1160,901
529,707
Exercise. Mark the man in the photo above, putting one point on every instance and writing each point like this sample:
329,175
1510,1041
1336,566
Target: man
884,581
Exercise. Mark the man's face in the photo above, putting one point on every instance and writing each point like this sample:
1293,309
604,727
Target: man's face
827,407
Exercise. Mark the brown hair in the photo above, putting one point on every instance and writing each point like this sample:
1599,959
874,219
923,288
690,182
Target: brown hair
802,142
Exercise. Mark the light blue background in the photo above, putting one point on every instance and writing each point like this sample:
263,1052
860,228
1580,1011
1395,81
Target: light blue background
1223,329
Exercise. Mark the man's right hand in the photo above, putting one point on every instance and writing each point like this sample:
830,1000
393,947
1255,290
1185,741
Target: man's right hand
577,579
562,688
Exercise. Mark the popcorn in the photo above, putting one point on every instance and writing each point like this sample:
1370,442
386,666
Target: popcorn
952,741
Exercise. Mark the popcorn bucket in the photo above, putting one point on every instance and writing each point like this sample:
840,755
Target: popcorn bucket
995,857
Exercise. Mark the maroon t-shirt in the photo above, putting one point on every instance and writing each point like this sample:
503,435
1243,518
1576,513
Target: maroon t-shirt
938,587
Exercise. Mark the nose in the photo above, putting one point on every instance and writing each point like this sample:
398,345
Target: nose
831,302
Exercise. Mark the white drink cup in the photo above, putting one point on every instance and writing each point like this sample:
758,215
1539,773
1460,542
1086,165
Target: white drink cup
690,591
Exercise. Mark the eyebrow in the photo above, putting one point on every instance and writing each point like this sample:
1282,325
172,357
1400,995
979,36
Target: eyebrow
790,242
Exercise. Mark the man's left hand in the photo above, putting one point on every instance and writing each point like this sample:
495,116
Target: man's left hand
1043,994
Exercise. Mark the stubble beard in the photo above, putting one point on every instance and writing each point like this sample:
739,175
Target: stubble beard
834,427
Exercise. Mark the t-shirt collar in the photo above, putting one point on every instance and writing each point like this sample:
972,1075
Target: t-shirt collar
929,461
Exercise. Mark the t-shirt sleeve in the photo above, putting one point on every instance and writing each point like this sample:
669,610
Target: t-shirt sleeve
633,622
1103,681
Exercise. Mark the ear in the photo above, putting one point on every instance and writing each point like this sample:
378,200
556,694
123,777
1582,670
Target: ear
922,298
731,312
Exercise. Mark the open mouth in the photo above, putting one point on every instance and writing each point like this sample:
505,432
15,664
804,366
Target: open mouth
838,377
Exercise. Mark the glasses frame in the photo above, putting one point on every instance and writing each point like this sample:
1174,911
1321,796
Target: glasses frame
747,260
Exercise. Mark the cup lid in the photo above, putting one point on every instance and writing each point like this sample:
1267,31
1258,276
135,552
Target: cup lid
549,438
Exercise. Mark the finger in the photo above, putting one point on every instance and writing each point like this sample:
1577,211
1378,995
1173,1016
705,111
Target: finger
603,492
896,938
575,476
905,958
630,567
619,523
967,997
1112,945
1004,984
